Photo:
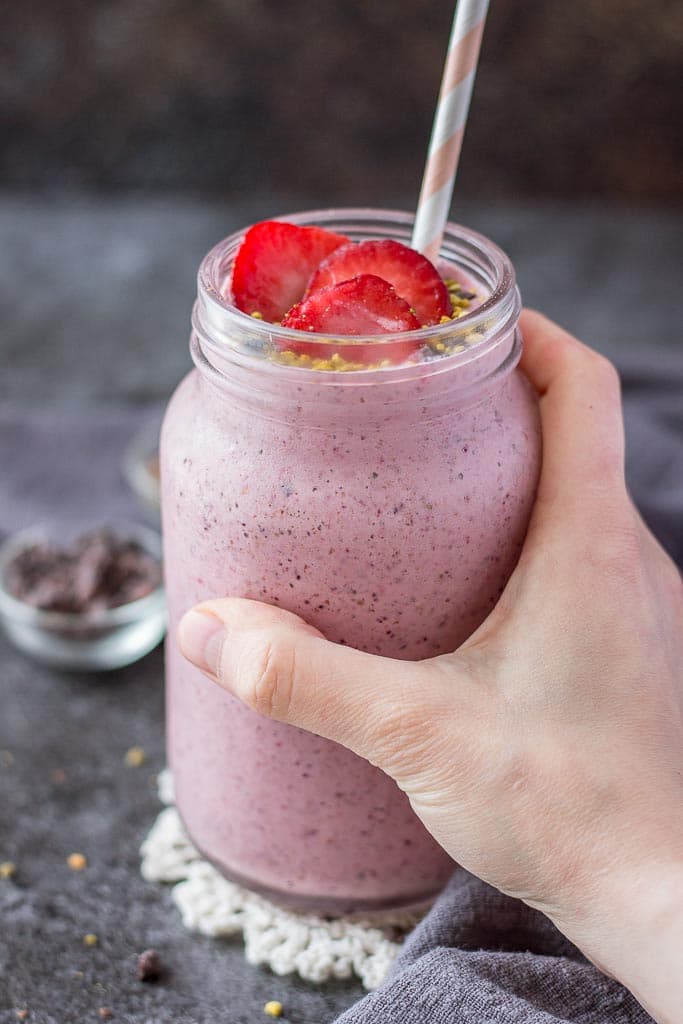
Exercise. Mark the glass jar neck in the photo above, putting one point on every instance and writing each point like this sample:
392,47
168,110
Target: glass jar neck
239,354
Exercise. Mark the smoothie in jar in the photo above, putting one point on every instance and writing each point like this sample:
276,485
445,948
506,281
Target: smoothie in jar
383,494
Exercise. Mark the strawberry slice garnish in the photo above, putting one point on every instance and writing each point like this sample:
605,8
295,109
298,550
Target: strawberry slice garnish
364,305
412,275
274,263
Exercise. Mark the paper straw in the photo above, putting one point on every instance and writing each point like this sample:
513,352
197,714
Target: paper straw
449,126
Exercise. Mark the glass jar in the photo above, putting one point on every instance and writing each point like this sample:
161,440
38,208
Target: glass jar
387,506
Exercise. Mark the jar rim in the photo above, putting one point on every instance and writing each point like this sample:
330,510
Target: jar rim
216,318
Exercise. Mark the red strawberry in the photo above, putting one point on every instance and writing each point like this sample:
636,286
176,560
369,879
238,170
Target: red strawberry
274,263
412,275
364,305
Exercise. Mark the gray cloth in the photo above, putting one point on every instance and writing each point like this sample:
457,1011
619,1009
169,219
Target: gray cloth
653,400
480,957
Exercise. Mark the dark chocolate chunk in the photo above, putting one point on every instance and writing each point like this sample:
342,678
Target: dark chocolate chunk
97,571
149,966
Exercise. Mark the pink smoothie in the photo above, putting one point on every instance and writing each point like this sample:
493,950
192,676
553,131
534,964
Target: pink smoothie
389,512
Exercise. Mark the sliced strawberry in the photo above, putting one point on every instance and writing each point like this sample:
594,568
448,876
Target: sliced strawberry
415,279
364,305
274,263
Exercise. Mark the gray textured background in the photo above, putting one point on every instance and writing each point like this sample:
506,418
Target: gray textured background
335,99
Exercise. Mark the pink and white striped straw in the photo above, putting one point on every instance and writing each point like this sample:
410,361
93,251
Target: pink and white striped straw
449,126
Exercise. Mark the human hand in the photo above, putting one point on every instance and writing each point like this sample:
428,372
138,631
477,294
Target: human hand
546,753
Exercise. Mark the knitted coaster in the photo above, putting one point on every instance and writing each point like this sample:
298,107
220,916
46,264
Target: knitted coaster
313,947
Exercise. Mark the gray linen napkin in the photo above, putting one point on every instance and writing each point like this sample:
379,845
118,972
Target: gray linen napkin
480,957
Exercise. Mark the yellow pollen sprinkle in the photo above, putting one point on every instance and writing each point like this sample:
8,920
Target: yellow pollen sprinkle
135,757
256,315
76,861
273,1008
335,362
8,869
90,939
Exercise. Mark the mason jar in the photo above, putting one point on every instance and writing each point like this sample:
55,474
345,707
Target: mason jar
385,504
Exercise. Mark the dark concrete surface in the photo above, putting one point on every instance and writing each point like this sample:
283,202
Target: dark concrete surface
94,306
83,724
337,99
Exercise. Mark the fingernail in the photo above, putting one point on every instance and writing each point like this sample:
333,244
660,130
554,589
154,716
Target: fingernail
200,635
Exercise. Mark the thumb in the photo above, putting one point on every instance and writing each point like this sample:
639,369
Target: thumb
278,665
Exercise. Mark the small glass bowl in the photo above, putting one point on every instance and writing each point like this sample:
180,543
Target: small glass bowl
141,469
100,639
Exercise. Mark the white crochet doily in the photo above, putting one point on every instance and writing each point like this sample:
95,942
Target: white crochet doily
285,941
